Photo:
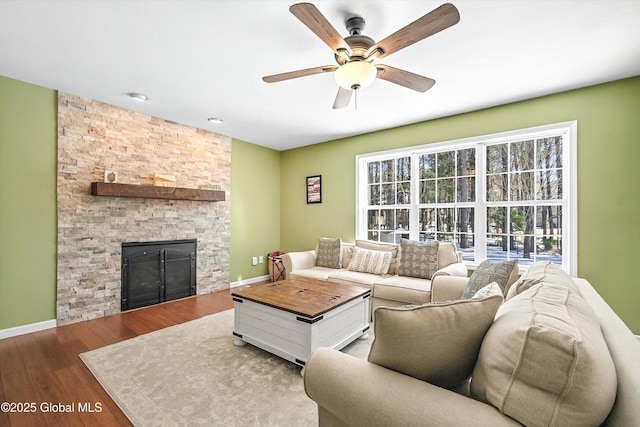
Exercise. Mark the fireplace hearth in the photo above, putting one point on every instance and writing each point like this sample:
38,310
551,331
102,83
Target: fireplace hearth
155,272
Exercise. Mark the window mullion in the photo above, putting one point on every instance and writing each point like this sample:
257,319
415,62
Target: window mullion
480,223
414,214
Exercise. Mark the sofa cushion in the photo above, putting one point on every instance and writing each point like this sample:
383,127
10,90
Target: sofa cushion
408,290
504,273
370,261
437,343
347,253
382,246
329,252
320,273
544,360
447,254
418,259
354,278
538,272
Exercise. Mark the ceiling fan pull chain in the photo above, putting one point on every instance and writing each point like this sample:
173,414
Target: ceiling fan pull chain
356,100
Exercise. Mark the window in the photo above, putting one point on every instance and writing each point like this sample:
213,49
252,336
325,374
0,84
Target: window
502,196
389,195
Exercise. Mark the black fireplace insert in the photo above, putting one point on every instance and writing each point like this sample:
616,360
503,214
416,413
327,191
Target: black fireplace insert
155,272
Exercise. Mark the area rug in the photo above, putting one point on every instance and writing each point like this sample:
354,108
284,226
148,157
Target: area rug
191,374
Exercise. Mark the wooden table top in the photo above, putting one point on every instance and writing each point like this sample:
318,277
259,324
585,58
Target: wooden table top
307,297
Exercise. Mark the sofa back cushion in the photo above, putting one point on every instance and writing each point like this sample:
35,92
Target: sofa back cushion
437,342
539,272
347,253
418,259
544,360
382,246
447,254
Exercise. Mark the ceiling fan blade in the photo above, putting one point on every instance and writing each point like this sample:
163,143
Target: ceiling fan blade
437,20
299,73
312,18
342,98
404,78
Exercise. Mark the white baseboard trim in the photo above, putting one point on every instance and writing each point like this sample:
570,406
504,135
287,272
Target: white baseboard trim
27,329
249,281
48,324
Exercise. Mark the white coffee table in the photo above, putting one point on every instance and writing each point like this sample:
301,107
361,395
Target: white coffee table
292,318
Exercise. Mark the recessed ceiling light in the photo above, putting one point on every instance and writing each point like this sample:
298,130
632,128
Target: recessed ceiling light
140,97
215,120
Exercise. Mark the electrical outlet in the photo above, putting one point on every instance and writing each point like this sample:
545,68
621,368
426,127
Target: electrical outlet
261,259
254,260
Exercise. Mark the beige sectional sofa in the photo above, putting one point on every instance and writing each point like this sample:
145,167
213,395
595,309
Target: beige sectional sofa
388,288
553,354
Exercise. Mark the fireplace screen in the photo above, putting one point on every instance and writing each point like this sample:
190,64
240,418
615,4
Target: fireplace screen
155,272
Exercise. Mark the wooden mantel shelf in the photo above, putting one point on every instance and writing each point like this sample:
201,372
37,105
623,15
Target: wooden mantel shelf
153,192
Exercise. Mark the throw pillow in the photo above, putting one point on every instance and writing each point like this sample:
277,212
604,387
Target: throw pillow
491,289
381,246
503,273
366,261
329,252
418,259
438,343
544,360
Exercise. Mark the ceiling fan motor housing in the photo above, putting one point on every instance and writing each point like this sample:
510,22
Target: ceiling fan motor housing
358,42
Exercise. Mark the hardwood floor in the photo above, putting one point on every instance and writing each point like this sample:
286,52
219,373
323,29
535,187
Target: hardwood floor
42,371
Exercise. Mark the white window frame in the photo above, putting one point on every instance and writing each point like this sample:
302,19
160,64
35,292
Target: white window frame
568,131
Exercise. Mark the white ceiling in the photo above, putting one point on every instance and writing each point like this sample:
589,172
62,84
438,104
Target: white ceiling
197,59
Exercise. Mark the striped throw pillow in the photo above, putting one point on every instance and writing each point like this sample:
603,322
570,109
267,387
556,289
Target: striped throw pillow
368,261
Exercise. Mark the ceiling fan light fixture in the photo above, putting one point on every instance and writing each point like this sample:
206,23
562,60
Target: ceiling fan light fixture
356,75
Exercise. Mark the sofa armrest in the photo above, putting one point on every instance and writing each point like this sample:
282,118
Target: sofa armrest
625,352
298,261
447,288
455,269
359,393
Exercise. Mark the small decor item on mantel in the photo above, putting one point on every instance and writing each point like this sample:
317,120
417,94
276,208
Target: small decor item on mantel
314,189
211,187
110,177
164,180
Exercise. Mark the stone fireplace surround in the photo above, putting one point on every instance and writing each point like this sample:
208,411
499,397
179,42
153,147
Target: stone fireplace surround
92,137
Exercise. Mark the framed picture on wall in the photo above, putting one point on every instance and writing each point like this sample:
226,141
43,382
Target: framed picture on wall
314,189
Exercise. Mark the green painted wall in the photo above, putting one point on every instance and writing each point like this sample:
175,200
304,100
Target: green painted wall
255,207
28,158
268,205
608,196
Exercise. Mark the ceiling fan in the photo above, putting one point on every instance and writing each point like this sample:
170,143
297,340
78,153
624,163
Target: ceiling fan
357,53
